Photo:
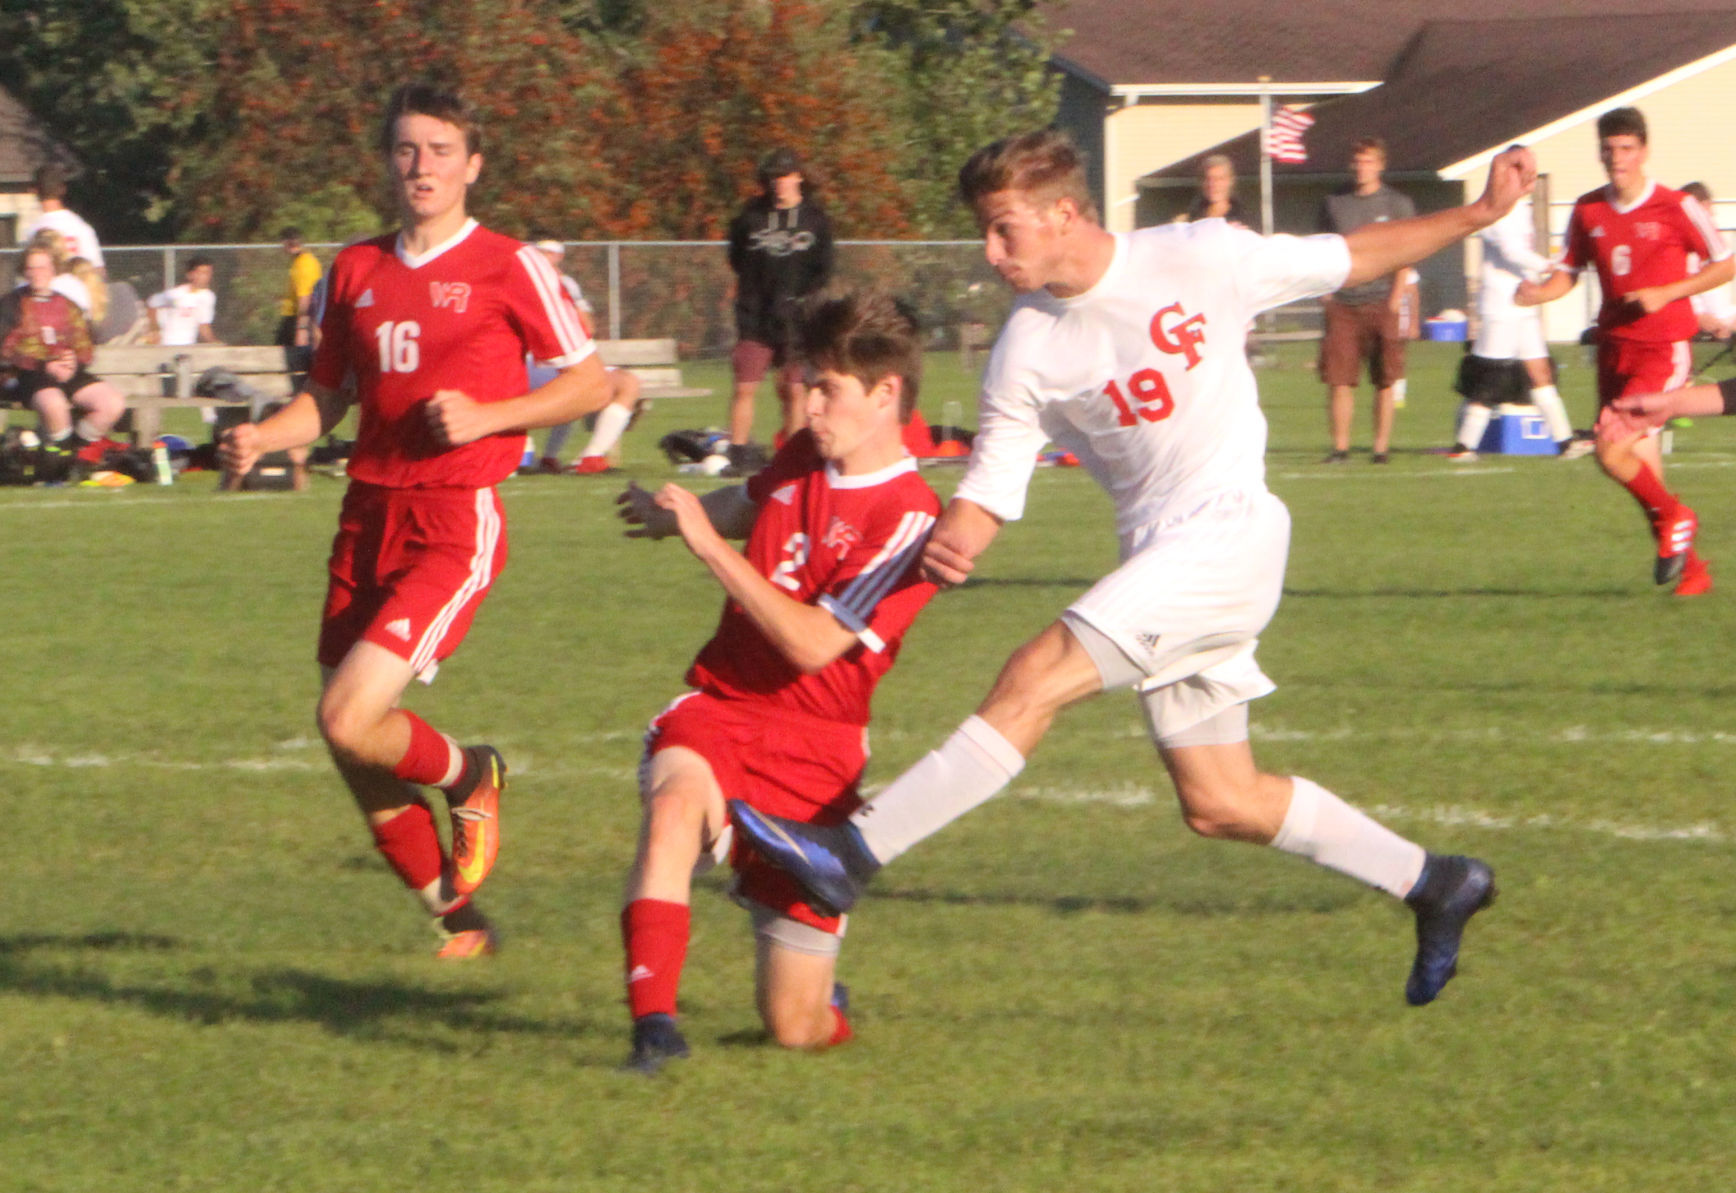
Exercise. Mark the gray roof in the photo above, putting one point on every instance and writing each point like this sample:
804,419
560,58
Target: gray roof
1178,42
25,143
1463,87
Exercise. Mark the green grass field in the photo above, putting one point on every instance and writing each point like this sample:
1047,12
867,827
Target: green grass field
209,982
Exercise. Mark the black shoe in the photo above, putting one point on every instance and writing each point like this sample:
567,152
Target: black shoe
1448,893
1336,457
656,1042
1378,458
832,864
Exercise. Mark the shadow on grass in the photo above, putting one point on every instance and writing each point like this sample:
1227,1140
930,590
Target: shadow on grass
1197,905
1414,594
383,1009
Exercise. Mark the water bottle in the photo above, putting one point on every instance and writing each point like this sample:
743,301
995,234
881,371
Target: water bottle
951,416
160,463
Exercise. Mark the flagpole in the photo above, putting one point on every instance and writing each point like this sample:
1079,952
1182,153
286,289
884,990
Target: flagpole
1266,154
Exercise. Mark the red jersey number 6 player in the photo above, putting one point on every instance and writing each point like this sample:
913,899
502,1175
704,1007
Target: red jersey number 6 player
1639,235
433,324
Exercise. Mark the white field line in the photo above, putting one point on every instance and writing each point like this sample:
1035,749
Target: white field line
1341,472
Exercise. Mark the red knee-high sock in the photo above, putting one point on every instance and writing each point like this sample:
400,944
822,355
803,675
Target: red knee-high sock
655,934
841,1033
411,846
433,759
1648,489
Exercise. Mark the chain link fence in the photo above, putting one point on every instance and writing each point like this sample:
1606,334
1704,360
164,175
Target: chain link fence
638,289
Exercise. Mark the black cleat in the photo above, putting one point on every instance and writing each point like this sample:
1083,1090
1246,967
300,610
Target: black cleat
656,1042
1449,892
832,864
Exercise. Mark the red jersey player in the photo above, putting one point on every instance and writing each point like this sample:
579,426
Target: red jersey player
1639,235
778,716
431,325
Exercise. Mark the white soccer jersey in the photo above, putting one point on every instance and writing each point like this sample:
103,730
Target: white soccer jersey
79,237
1144,377
1505,330
181,312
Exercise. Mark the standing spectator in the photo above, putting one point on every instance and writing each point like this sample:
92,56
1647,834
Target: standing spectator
295,312
780,247
1363,322
45,337
1714,308
1640,236
1509,360
1217,194
49,184
431,324
183,315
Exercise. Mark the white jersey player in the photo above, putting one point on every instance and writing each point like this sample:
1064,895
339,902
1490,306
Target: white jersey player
1509,360
1128,351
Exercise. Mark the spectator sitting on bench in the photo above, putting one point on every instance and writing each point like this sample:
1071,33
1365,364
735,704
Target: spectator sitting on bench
65,281
44,336
609,423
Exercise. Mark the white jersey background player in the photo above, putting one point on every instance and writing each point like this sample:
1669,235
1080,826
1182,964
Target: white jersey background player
1127,350
1509,359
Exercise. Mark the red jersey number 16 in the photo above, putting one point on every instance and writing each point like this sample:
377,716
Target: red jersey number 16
1150,396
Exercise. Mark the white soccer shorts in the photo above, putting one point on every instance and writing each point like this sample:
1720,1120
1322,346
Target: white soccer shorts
1515,336
1188,603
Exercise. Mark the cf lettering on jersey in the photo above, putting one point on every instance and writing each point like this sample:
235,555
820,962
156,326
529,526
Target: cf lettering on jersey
450,294
1176,332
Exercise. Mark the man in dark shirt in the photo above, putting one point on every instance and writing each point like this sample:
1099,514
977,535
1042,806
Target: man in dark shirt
780,247
1363,323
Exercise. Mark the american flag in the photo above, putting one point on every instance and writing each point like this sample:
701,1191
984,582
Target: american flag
1284,138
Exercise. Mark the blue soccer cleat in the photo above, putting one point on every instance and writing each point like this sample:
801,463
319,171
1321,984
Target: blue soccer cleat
832,864
1449,892
656,1042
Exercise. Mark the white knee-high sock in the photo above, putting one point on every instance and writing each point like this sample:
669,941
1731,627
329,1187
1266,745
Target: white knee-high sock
974,764
557,439
1473,421
1547,399
612,423
1323,828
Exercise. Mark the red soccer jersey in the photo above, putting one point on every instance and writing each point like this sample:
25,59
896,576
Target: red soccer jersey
462,316
1643,244
848,544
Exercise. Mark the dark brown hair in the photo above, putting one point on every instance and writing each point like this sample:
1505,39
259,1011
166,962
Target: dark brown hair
426,99
1622,122
866,333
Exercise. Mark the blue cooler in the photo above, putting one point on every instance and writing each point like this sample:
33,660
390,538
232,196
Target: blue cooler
1517,429
1445,329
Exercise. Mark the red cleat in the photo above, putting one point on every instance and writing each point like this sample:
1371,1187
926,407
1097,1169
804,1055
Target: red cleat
476,821
1696,579
591,466
468,945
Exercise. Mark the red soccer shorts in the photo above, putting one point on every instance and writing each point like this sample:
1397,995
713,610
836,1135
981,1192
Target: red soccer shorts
1636,367
409,568
779,762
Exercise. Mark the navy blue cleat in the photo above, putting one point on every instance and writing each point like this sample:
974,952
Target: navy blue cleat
1450,890
832,864
656,1042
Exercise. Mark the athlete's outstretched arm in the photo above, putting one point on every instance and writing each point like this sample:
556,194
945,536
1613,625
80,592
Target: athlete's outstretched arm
456,418
1694,401
1652,299
1378,249
964,531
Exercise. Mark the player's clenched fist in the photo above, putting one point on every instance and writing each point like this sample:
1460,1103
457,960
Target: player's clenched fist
238,449
457,418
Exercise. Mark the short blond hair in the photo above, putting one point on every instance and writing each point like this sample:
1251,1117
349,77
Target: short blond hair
1045,164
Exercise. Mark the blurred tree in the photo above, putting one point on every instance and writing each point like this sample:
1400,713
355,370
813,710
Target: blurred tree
124,84
970,72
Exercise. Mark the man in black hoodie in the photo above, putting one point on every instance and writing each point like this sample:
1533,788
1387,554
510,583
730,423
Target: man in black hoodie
780,247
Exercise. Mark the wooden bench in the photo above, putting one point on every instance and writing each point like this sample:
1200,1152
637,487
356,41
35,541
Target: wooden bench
655,364
155,378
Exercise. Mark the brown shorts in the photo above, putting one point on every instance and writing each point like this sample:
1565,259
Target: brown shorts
1368,332
753,359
